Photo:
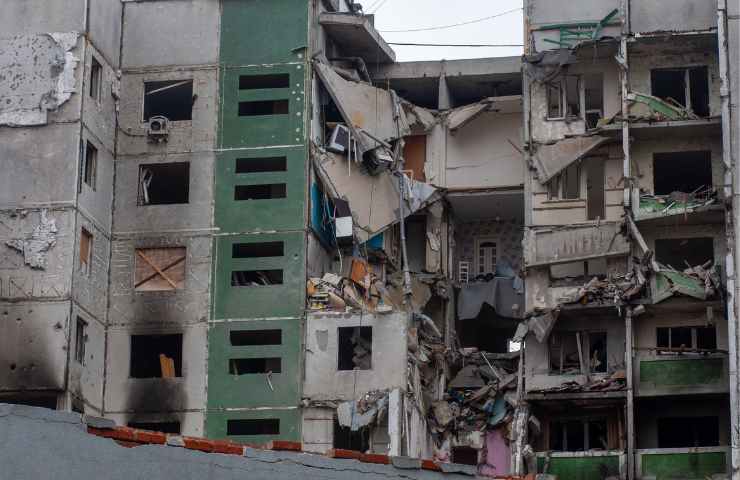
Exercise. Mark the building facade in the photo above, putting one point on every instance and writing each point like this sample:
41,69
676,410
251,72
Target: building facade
245,219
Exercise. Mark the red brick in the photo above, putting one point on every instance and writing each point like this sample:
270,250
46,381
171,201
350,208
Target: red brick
229,448
146,436
430,465
201,444
341,453
375,458
126,444
284,445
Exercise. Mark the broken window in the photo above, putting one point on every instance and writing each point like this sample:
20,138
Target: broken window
86,248
96,78
263,426
90,170
671,339
593,86
686,172
485,256
250,366
346,439
681,253
164,427
257,250
685,87
564,98
255,82
159,269
579,435
164,183
355,348
250,338
688,432
156,356
572,353
172,99
263,107
259,192
80,340
256,278
465,455
261,165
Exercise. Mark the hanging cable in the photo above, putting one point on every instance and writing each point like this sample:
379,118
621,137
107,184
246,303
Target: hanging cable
512,45
442,27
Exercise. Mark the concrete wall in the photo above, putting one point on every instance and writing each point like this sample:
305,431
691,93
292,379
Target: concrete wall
322,379
676,16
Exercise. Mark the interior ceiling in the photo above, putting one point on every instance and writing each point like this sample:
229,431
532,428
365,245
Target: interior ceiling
467,89
487,206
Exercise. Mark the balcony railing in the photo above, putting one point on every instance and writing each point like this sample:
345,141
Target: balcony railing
591,465
696,463
680,374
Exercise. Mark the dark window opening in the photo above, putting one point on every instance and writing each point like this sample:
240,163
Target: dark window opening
573,96
687,432
686,172
254,82
263,107
488,332
565,359
678,252
346,439
96,77
579,435
255,278
355,348
249,338
670,339
686,87
554,100
164,427
42,400
172,99
86,248
465,455
164,183
261,164
259,192
597,352
594,93
706,338
90,171
257,250
572,182
80,340
250,366
156,356
266,426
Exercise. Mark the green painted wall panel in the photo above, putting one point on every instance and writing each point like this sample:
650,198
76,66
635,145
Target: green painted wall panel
693,466
263,31
581,468
237,391
286,300
287,213
695,371
290,421
262,130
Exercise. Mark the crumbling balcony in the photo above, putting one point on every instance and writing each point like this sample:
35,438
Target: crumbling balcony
687,463
591,465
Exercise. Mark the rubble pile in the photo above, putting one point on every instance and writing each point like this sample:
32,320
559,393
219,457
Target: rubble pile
614,383
362,290
677,202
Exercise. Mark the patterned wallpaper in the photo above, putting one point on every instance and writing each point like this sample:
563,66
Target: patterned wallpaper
508,233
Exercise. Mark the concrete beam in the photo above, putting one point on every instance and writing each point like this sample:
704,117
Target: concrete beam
357,37
499,66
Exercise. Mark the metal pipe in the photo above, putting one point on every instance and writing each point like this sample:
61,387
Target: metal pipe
628,357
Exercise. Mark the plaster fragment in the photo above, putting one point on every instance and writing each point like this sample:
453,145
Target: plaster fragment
35,246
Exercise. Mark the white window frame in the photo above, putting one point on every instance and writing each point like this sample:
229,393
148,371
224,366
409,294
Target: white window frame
562,84
478,242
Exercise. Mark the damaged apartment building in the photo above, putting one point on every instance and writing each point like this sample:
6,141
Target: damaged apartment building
245,220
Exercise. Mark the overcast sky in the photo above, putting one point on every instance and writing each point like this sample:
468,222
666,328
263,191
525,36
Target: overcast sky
412,14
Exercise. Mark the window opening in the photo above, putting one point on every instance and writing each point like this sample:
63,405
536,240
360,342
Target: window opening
565,357
672,340
465,455
261,164
355,348
246,427
684,87
164,427
579,435
257,250
91,165
255,278
263,107
346,439
685,172
80,340
250,338
96,75
681,253
156,356
688,432
259,192
172,99
486,256
255,82
250,366
164,183
86,245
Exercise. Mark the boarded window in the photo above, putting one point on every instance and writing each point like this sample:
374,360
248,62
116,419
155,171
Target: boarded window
155,356
96,78
91,165
266,426
263,107
86,248
261,164
256,278
257,250
80,340
164,427
686,172
160,269
681,253
164,183
250,338
688,432
255,82
259,192
250,366
355,348
172,99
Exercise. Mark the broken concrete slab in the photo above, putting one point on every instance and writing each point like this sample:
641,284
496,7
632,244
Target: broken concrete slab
551,159
574,243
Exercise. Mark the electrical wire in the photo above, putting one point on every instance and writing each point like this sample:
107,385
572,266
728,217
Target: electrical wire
378,7
455,44
441,27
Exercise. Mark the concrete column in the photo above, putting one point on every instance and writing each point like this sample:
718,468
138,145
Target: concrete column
395,410
628,354
445,98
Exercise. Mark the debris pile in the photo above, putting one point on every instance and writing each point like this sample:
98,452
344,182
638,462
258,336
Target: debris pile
701,282
371,408
614,383
363,290
677,202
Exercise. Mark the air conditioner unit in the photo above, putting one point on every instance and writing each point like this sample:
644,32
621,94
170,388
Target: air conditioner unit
339,140
158,129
